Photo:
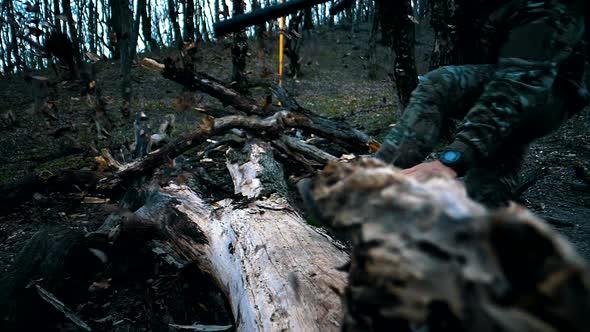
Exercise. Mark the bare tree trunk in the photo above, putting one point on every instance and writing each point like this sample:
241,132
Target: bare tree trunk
74,36
444,22
189,21
373,67
398,31
14,47
173,15
56,13
307,19
126,19
92,25
3,55
216,11
260,29
146,27
239,51
198,13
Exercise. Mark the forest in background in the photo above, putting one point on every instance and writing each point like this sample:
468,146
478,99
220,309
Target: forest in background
97,26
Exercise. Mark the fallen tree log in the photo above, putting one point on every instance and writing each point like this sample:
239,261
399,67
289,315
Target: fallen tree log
427,257
278,272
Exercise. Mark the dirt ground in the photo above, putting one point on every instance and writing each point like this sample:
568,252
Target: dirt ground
335,83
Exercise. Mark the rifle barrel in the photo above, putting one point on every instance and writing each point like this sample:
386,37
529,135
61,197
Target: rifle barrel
262,15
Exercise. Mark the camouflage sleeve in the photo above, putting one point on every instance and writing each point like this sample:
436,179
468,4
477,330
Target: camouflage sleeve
528,66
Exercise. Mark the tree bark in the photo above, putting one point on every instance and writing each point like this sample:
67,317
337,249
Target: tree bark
189,21
239,51
14,47
173,15
398,31
146,28
277,272
444,22
427,256
92,25
74,36
308,19
125,42
373,66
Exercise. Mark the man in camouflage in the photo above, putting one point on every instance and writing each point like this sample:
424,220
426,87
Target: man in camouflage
529,81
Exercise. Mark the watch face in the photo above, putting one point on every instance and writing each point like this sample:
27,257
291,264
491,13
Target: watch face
450,156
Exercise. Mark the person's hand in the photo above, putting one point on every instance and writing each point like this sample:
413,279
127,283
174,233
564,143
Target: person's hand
431,167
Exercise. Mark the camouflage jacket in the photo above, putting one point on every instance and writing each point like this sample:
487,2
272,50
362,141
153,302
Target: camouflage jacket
537,48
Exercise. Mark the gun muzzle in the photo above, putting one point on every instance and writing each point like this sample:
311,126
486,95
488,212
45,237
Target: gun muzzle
263,15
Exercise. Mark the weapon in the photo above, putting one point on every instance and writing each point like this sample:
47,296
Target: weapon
263,15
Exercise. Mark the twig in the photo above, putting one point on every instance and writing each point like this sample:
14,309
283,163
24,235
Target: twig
60,306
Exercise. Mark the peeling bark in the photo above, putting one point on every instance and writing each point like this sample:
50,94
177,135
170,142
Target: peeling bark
425,255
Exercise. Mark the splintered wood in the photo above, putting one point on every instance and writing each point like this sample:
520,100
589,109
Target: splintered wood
278,272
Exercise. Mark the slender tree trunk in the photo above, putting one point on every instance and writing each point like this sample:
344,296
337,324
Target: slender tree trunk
158,30
373,68
115,29
122,19
397,26
9,66
587,39
3,55
307,19
260,29
135,32
38,15
56,13
444,23
92,19
189,21
80,6
198,14
215,10
74,36
146,26
239,51
14,36
173,15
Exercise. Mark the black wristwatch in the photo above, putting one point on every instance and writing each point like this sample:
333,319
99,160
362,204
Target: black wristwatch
455,160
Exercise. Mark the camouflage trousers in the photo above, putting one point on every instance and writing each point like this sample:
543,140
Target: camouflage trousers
448,95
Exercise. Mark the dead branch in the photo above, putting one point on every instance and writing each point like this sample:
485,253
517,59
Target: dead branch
307,150
333,130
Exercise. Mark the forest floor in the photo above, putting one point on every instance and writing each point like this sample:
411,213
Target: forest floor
334,83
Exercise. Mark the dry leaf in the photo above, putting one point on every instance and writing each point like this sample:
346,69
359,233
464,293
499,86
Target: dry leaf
374,146
207,125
